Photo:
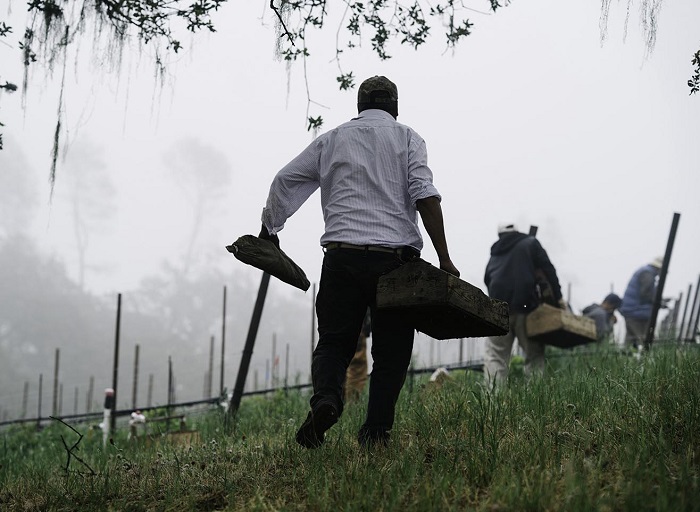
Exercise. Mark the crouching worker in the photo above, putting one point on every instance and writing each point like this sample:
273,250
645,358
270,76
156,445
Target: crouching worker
604,315
374,181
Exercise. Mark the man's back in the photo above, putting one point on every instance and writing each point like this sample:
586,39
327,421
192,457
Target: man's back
639,294
371,170
510,272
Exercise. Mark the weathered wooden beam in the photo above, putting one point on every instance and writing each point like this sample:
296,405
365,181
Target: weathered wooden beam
439,304
558,327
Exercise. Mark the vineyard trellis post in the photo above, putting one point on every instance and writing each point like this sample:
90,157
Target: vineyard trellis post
135,382
662,281
275,366
170,392
25,399
57,358
115,367
90,394
210,380
249,344
679,335
691,337
286,370
38,416
689,327
223,345
149,397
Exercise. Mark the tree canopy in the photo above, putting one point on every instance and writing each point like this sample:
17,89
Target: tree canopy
54,25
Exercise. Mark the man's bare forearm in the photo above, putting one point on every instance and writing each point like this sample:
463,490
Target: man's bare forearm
431,214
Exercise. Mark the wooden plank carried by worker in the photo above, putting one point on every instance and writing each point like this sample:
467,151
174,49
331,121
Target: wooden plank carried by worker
558,327
439,304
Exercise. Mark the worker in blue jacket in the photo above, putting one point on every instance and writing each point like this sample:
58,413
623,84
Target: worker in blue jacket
638,301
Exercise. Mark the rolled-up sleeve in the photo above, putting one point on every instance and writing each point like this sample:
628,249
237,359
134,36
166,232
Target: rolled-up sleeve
420,177
291,187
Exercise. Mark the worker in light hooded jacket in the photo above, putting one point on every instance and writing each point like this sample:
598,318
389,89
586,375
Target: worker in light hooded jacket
516,273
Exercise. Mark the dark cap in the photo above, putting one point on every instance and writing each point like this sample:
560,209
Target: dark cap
613,299
378,89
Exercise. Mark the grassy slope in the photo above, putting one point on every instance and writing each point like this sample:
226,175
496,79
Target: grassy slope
602,432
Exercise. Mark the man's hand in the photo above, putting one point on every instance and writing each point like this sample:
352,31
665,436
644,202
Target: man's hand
449,267
265,235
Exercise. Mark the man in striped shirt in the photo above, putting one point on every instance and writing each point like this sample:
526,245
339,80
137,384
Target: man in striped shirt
374,181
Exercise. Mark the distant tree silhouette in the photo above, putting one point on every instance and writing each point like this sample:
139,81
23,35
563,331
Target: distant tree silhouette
203,173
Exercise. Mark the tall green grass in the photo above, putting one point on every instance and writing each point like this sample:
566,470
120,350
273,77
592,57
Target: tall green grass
597,432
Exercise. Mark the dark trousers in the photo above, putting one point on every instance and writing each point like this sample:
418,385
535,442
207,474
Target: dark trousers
348,286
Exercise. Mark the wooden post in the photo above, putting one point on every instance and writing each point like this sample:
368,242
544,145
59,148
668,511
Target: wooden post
249,344
675,313
210,384
286,369
115,367
273,375
170,391
149,398
685,312
25,399
135,383
267,374
694,332
692,312
223,345
60,399
38,416
461,350
662,281
90,394
54,408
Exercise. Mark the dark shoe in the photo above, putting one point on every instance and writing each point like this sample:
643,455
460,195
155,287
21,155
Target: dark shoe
368,437
310,434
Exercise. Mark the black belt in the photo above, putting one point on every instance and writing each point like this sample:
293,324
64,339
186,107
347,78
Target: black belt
405,252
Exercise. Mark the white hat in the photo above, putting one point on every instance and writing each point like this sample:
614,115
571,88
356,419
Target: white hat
507,228
657,262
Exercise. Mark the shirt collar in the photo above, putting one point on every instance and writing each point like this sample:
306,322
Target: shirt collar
375,113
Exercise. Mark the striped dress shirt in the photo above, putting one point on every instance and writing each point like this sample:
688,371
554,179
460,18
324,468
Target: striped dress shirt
371,171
